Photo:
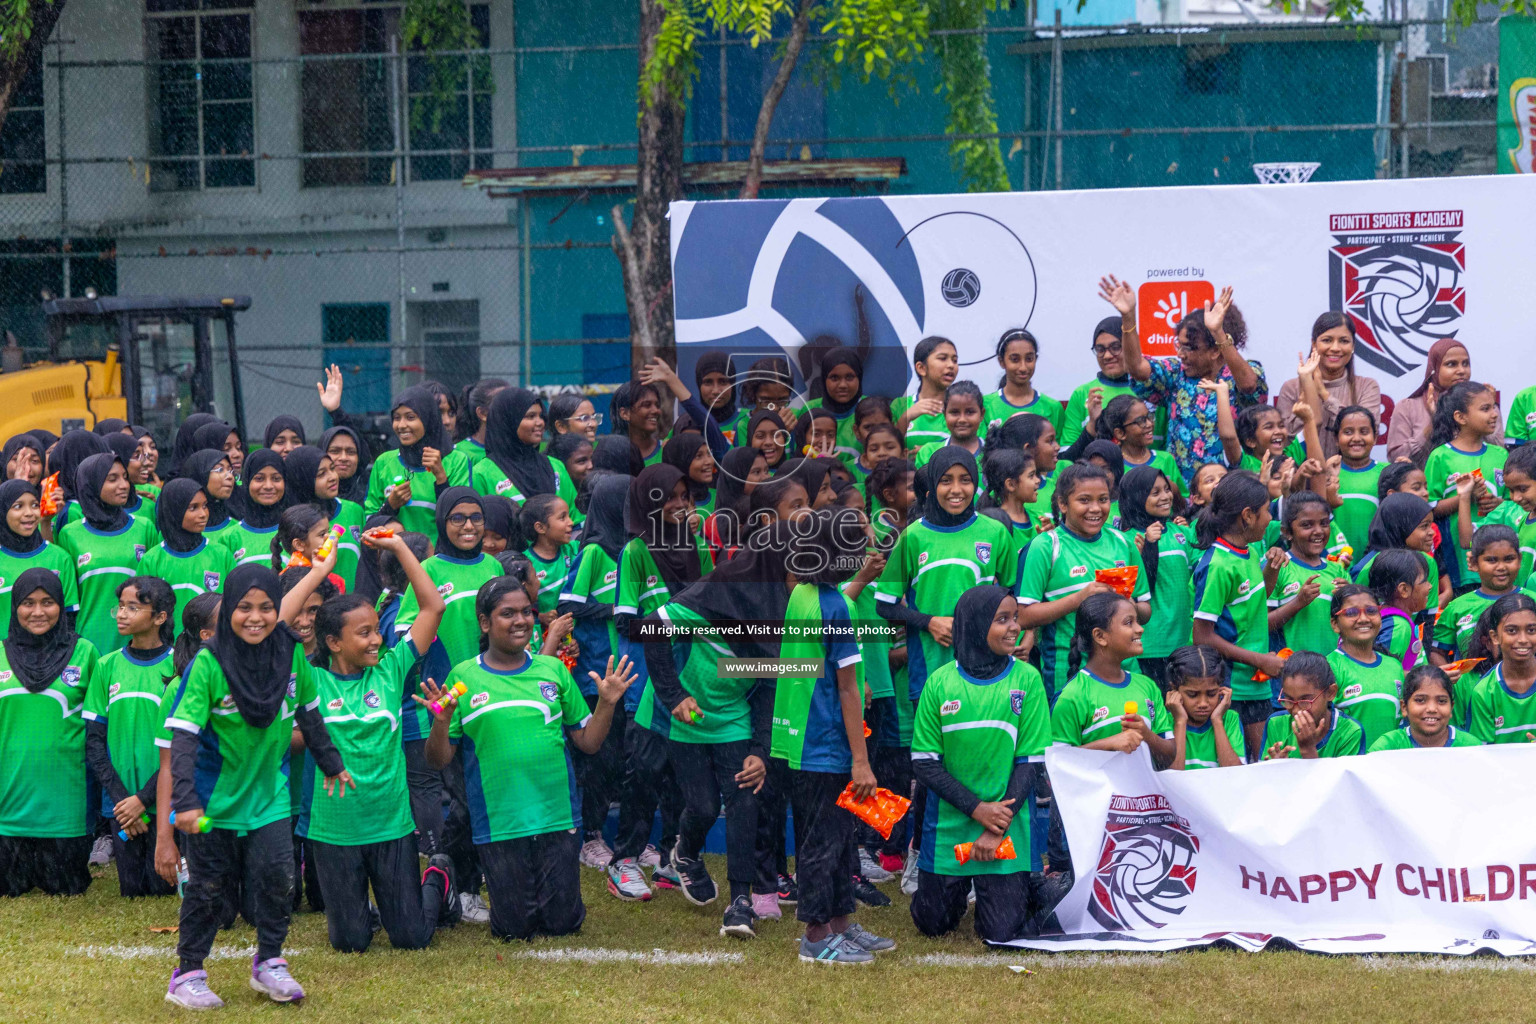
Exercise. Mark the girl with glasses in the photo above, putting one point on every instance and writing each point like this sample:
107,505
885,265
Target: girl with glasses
1370,683
1308,725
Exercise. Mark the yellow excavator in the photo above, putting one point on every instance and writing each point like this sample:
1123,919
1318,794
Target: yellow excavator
151,360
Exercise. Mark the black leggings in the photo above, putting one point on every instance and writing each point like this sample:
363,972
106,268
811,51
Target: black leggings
59,867
534,885
826,858
649,784
262,861
136,874
409,904
706,775
1002,904
426,787
601,775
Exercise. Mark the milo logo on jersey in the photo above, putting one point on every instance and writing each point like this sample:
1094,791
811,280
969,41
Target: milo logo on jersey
114,689
1146,865
1353,690
950,707
336,704
479,700
445,589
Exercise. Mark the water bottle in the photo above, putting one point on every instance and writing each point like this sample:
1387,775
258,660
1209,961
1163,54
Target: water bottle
181,877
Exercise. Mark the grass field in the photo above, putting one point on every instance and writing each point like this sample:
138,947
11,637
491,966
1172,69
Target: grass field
94,959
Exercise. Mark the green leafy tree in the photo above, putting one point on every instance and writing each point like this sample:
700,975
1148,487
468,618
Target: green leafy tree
25,26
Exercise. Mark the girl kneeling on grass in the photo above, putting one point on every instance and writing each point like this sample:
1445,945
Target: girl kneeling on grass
231,734
511,726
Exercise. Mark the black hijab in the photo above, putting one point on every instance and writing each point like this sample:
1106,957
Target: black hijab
759,417
46,438
716,362
199,467
604,526
257,673
731,500
186,438
171,509
671,546
280,424
526,466
73,449
1398,515
11,492
617,454
259,516
680,452
125,448
299,471
943,459
214,435
1135,487
810,472
38,660
16,444
354,487
422,400
110,425
840,356
747,588
973,618
445,503
89,479
501,518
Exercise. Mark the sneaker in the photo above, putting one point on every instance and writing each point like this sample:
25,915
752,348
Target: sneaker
271,978
650,857
440,867
595,853
101,852
693,878
892,862
739,917
766,906
627,881
865,892
473,909
191,991
909,873
970,896
789,891
664,876
835,949
871,868
868,940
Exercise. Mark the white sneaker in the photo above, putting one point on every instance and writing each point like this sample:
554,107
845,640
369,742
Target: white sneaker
869,867
101,852
473,909
626,881
596,854
909,873
650,857
970,898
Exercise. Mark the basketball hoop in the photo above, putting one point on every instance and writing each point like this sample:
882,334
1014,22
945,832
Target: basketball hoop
1284,173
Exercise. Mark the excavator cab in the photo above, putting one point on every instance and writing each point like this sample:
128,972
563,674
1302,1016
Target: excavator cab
151,360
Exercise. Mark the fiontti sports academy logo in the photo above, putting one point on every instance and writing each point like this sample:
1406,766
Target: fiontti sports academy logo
1401,278
1146,868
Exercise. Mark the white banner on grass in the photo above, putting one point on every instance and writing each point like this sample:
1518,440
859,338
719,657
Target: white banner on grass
1398,852
1412,261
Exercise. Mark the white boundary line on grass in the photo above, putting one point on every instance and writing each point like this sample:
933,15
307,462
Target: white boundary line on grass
118,951
1381,963
656,957
1061,960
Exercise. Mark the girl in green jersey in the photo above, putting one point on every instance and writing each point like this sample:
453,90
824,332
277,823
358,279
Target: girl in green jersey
405,482
22,545
220,436
1427,705
1355,502
45,824
1466,418
881,442
1298,602
310,478
107,545
573,414
501,524
1013,484
64,463
23,459
184,558
1400,581
1309,726
1018,354
513,465
212,472
1494,556
1148,505
571,455
127,449
477,409
637,415
1502,706
545,522
1370,683
1206,731
1127,421
690,455
936,364
842,389
264,500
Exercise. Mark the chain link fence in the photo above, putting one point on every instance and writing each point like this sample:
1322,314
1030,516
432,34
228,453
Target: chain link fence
296,156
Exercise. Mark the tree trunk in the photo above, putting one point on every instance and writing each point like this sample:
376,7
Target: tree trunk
45,15
645,248
797,32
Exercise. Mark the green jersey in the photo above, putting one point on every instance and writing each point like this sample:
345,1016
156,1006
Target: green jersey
1040,509
808,729
1402,739
1497,714
926,452
510,729
979,729
42,752
49,556
458,580
488,479
996,409
242,771
250,545
642,590
1200,741
594,579
102,561
734,427
697,650
472,450
552,574
1371,693
349,548
1457,624
419,515
1169,627
1357,491
1089,708
202,570
1311,628
1164,463
874,636
361,712
1361,572
1521,425
924,429
125,693
1345,737
1075,416
1507,513
929,568
1060,563
1445,465
1229,592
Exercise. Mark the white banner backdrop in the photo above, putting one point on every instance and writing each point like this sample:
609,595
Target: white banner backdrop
1412,260
1398,852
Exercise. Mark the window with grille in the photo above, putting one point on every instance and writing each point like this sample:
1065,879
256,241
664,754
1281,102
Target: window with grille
22,140
201,102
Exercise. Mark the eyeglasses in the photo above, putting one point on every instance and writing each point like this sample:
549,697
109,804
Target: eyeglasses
460,518
1112,349
1144,420
1356,612
1191,348
1302,704
588,418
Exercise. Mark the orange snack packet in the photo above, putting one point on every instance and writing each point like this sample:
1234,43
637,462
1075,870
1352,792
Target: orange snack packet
1005,850
1282,654
880,812
1121,578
